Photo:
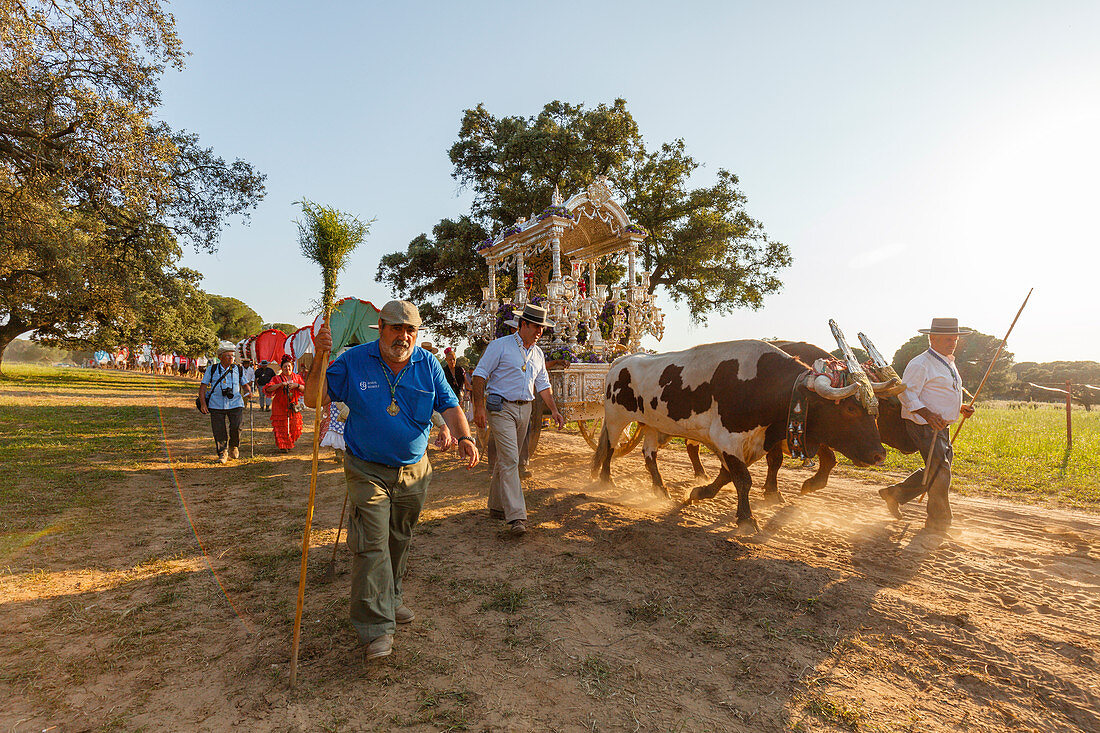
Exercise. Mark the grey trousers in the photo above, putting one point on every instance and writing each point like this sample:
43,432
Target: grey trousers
385,506
509,427
222,438
935,449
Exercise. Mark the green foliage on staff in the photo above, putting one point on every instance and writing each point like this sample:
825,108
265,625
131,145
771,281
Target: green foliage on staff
704,249
96,194
328,236
235,319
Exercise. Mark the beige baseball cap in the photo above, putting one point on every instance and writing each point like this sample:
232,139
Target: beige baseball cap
399,312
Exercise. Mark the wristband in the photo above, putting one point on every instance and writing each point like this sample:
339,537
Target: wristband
467,437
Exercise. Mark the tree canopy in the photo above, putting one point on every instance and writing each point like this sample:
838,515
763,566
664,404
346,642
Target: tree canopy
233,319
703,247
96,194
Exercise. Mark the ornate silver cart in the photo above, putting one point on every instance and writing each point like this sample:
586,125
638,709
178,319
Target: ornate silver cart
593,324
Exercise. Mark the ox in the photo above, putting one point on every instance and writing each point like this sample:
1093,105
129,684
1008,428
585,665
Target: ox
733,397
890,427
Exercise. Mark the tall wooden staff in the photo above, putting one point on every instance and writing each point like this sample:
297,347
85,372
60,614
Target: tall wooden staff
974,397
993,361
327,236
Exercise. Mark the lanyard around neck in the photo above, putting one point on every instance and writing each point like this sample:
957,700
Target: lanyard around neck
393,382
941,360
526,352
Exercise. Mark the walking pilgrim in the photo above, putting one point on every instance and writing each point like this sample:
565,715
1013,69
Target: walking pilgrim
509,375
221,395
285,390
390,387
932,400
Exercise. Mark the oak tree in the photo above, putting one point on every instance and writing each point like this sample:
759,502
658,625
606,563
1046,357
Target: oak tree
703,247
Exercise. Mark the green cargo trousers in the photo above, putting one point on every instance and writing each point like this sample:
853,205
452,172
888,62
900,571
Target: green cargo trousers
385,504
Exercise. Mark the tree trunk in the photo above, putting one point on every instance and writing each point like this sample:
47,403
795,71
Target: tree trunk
8,332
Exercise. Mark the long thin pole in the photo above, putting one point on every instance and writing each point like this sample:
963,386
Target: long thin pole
993,361
928,480
339,527
309,516
1069,415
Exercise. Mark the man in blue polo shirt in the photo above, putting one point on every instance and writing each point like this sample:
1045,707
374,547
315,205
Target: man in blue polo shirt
390,386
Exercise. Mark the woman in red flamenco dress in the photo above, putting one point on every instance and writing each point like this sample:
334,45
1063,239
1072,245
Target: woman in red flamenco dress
286,391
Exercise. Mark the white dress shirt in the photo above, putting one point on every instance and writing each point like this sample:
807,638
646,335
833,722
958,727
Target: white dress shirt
932,381
502,367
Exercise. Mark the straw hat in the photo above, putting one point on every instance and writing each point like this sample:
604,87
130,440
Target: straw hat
535,314
944,327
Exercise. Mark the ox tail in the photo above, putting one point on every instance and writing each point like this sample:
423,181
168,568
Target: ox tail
603,449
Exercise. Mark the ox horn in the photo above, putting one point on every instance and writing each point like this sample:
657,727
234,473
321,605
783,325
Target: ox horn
823,386
887,387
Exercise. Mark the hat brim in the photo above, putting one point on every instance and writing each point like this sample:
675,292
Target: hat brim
544,324
512,323
934,332
376,327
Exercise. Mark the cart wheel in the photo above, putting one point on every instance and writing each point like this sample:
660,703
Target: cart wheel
590,429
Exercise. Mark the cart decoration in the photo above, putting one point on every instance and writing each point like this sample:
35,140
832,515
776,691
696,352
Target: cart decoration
592,323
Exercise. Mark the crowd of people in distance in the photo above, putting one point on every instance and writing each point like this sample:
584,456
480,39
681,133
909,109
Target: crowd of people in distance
150,363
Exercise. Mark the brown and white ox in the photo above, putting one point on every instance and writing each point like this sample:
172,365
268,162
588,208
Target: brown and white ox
734,397
891,430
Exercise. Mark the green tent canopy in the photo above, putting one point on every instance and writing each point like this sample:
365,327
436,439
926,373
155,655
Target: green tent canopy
350,323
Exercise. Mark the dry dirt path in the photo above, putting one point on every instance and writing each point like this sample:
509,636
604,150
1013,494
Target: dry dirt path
618,611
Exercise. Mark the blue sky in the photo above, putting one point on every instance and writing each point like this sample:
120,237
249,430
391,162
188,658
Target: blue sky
918,159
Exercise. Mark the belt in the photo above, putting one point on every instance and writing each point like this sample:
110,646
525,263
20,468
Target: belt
517,402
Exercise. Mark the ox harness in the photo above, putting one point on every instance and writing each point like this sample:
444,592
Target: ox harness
837,372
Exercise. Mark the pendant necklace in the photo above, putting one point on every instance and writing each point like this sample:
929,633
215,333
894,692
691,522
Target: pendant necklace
525,352
393,409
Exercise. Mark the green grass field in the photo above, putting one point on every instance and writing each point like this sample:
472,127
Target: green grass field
1018,450
63,446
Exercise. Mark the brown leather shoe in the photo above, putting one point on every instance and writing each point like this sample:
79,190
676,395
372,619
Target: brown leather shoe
518,527
891,503
403,615
381,646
